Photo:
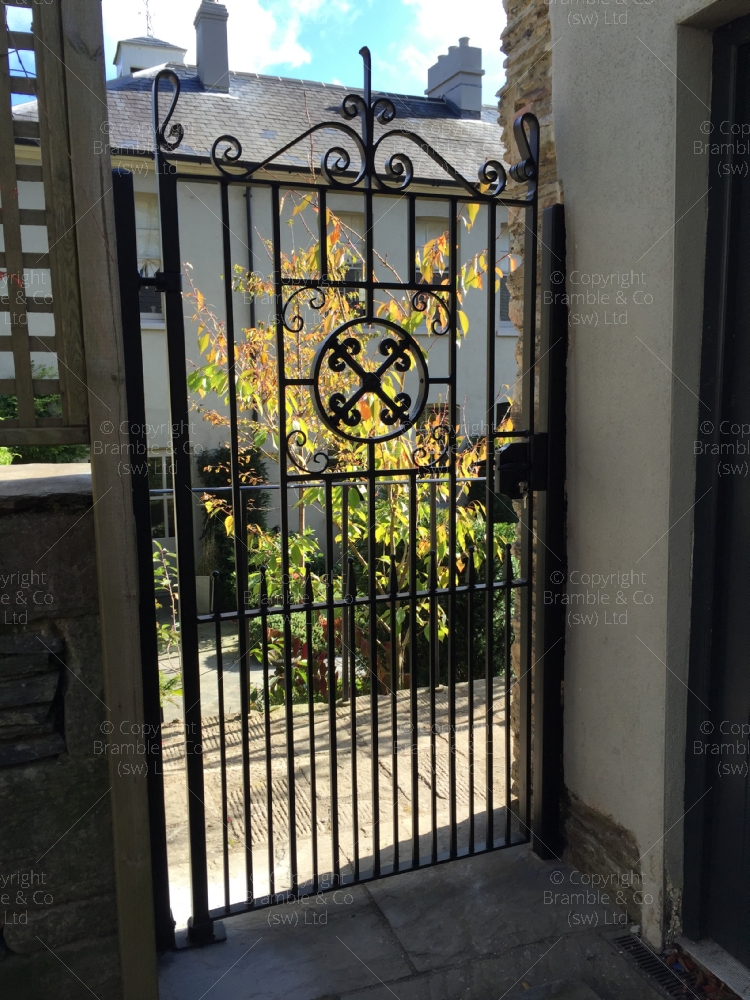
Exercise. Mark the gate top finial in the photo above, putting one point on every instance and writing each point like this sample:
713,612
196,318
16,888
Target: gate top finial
367,60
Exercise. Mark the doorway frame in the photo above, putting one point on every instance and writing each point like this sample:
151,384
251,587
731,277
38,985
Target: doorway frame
707,588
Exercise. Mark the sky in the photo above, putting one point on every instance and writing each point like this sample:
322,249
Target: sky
320,39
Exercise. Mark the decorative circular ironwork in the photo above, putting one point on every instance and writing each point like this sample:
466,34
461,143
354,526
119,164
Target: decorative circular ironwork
365,352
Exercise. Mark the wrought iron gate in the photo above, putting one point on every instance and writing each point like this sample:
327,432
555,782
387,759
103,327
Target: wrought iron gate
374,645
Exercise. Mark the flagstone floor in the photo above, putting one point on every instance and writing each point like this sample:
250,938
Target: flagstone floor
475,771
478,928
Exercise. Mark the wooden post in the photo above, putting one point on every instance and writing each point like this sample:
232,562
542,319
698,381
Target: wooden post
113,510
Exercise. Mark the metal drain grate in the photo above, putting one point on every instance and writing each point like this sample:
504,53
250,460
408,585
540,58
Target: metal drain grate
659,974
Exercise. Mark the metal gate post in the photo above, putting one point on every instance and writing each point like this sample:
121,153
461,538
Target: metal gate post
527,169
551,554
129,281
201,929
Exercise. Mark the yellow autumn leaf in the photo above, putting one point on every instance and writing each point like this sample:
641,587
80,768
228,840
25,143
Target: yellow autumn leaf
472,209
229,525
303,204
463,319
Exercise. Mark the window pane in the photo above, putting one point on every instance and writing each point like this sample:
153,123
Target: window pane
170,518
155,474
147,233
157,519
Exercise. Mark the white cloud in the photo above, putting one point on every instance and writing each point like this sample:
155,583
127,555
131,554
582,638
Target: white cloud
264,35
440,23
257,39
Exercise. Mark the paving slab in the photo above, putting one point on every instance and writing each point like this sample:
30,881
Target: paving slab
486,905
299,951
474,929
586,957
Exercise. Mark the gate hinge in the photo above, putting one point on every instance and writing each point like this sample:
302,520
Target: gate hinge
165,281
521,467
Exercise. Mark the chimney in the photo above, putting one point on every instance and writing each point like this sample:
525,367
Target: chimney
211,40
457,77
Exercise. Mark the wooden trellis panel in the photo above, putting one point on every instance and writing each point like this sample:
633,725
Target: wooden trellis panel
47,159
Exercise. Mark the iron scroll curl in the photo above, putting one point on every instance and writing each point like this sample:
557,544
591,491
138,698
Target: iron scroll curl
342,351
176,131
334,162
321,459
399,168
420,302
296,323
526,170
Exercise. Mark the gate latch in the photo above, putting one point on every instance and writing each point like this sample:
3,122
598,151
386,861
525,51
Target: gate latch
165,281
521,467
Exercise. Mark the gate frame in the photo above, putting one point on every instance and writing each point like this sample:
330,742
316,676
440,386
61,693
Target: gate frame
544,681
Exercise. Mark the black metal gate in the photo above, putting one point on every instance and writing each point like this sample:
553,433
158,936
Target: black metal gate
384,719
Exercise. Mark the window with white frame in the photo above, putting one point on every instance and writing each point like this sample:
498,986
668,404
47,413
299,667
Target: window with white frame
148,249
160,477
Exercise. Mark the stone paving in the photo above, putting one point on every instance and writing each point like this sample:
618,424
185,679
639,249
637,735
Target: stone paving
356,838
475,929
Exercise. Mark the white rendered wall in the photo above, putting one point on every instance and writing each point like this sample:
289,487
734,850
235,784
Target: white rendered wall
631,89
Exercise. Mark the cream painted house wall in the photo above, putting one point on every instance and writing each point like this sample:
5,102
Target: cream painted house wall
631,88
201,247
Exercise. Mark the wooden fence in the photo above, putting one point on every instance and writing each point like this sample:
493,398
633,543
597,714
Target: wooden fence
40,307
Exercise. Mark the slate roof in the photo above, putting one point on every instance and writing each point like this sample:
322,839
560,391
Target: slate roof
148,40
266,112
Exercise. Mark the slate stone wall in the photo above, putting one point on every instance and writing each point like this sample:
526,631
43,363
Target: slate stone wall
57,889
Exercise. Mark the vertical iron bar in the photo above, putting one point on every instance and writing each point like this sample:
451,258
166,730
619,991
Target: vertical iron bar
507,595
345,653
240,544
432,588
129,282
489,566
433,548
393,588
471,583
250,254
353,717
200,925
452,514
412,238
413,668
323,234
528,419
222,739
374,677
311,723
284,516
550,623
267,727
367,139
331,664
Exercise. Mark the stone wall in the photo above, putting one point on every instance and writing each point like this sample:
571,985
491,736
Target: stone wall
57,886
527,44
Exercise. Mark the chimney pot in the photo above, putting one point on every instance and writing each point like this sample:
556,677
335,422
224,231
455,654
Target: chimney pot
457,78
211,45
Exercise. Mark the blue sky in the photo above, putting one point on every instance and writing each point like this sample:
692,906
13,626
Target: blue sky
320,39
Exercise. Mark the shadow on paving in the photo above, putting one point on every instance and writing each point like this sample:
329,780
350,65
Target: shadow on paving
474,929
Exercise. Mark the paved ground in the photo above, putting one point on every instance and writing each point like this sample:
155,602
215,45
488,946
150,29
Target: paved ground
355,824
474,929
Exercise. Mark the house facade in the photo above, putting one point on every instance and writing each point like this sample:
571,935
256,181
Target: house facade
265,113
